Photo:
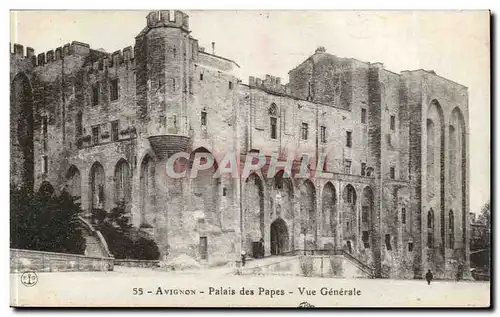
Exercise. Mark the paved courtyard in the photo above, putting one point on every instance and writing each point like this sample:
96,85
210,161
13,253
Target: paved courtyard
145,287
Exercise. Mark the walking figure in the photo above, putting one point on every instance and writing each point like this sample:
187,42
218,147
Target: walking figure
429,277
243,258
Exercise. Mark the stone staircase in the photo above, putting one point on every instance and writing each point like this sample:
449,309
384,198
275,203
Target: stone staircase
95,243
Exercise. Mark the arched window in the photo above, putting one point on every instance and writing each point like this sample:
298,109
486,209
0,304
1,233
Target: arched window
403,215
73,181
147,193
97,186
451,229
430,229
122,182
350,195
273,113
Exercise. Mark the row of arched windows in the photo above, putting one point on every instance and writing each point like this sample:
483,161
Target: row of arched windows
431,229
122,185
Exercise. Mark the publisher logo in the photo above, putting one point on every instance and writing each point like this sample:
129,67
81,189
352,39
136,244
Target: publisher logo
29,279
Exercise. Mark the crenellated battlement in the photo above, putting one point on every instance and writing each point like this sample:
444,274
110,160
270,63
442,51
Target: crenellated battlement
107,60
270,83
112,61
75,48
17,50
41,59
173,18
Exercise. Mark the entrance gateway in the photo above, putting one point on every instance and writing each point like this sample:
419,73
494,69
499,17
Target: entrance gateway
279,237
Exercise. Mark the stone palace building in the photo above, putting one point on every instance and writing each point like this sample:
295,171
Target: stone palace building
102,125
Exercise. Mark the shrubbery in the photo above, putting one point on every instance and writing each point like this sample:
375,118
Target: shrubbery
45,222
116,228
306,265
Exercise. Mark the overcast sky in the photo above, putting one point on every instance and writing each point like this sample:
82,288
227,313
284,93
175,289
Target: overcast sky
453,44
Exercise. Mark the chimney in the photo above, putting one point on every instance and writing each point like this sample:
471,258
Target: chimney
213,48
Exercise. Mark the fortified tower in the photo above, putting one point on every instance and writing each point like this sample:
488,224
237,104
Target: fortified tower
163,53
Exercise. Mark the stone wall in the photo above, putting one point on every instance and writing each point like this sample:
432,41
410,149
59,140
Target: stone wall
41,261
137,263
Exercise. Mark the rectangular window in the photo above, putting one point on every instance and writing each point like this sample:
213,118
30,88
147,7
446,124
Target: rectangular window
305,131
114,130
224,191
95,135
403,216
274,128
393,172
95,94
410,246
201,76
348,141
44,132
203,118
114,89
45,164
363,169
388,242
347,166
323,134
393,123
230,85
363,115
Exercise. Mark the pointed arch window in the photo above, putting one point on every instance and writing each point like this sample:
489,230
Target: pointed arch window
273,114
451,229
430,229
122,182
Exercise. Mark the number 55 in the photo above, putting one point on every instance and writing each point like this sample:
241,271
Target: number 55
137,291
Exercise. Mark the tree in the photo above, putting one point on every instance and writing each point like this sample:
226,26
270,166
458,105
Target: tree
44,221
485,213
480,231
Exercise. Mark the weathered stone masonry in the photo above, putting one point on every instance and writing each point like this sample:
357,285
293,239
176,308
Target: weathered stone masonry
395,186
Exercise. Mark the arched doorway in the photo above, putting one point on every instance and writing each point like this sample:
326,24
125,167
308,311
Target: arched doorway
279,237
253,214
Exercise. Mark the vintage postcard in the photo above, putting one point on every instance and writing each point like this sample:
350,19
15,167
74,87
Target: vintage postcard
188,158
